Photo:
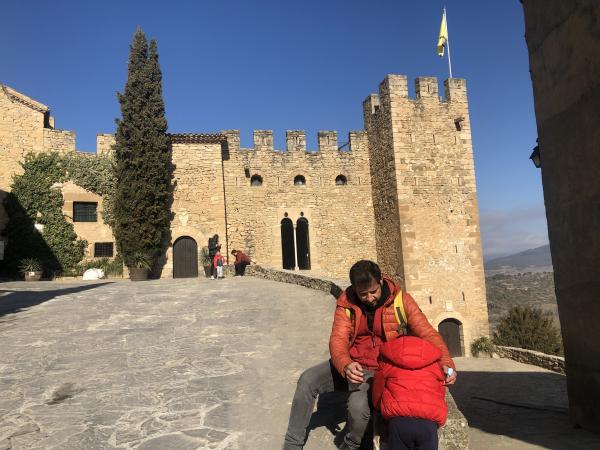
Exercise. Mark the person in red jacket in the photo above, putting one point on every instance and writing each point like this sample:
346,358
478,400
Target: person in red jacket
241,261
364,319
409,390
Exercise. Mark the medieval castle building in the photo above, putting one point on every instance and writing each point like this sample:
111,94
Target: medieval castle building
402,193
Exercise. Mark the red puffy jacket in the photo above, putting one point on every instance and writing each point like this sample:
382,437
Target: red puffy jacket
410,382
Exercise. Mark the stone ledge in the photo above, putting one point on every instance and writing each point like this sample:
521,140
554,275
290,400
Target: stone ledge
319,284
454,435
550,362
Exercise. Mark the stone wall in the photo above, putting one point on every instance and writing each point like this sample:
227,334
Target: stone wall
550,362
426,203
340,216
21,131
198,198
104,143
563,39
59,140
92,232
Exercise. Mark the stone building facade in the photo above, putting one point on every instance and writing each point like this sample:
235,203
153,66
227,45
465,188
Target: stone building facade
563,39
402,193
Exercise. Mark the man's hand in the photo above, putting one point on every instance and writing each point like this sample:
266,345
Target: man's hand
450,378
354,372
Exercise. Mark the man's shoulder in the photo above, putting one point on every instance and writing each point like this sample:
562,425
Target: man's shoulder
346,298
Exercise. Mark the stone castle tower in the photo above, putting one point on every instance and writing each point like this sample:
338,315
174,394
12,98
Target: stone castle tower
402,193
425,199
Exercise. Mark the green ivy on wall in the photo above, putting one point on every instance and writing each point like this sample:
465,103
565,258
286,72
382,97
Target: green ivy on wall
94,173
37,227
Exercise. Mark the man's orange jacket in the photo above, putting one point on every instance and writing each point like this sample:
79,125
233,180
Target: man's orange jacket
344,329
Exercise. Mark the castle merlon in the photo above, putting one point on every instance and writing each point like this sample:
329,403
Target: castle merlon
426,90
327,142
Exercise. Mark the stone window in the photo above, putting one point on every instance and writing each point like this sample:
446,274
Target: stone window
85,212
299,180
103,250
341,180
256,180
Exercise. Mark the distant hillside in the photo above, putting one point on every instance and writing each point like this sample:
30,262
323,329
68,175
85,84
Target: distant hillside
507,290
532,260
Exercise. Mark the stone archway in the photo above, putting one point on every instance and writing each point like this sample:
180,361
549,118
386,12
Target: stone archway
288,254
303,244
185,258
451,331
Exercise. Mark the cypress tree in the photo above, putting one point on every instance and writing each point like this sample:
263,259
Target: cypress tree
142,157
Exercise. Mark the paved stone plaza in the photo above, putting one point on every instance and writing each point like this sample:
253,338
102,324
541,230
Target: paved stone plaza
200,364
168,364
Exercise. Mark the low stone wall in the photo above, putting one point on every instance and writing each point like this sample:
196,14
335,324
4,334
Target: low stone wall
454,435
283,276
550,362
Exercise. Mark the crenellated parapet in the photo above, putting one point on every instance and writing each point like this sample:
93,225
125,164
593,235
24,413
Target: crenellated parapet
327,143
394,88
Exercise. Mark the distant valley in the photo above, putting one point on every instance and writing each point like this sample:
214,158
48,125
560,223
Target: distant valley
532,260
525,278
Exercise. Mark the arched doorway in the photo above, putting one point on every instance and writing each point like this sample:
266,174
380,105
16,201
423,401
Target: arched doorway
288,255
303,244
185,258
450,329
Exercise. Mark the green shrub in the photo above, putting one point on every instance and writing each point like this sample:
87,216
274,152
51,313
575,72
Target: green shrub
529,328
484,345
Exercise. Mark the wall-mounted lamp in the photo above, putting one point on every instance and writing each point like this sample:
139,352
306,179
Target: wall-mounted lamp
535,157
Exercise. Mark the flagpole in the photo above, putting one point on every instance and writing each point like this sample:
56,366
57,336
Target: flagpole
448,43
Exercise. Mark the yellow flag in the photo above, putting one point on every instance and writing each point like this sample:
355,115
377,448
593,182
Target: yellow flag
443,39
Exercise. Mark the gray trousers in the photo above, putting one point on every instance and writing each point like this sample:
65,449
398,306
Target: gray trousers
321,379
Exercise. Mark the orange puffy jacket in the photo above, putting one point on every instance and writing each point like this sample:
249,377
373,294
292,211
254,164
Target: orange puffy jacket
344,329
410,382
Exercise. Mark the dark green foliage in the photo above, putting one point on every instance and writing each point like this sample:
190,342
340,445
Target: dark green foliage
96,174
34,200
142,157
529,328
481,345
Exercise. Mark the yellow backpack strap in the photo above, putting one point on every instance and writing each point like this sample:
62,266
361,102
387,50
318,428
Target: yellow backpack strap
400,314
349,313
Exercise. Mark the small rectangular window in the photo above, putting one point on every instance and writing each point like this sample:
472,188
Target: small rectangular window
103,250
85,212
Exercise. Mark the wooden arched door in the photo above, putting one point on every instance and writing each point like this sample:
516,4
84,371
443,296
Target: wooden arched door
303,244
185,258
450,331
288,255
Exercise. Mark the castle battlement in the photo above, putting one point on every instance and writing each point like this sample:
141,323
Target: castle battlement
295,142
426,92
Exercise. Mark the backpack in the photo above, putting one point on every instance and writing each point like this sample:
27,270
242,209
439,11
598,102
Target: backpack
398,312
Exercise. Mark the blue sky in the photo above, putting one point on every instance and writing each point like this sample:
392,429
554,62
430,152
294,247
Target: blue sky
281,65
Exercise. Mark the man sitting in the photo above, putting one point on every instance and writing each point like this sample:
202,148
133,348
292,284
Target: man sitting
364,319
241,261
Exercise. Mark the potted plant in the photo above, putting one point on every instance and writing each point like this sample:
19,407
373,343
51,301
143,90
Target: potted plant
139,267
31,268
205,261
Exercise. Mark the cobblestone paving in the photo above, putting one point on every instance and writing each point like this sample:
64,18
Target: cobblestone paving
166,364
510,405
200,364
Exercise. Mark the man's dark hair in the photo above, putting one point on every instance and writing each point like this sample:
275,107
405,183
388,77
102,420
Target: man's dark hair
233,252
363,272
